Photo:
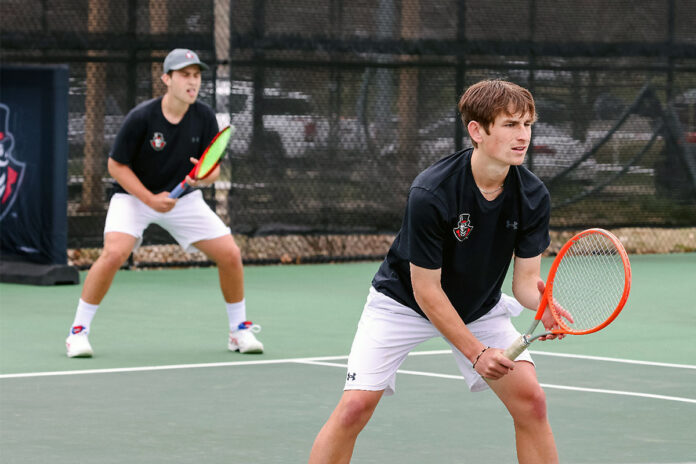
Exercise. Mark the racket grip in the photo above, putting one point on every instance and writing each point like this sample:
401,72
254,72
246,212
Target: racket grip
178,190
516,348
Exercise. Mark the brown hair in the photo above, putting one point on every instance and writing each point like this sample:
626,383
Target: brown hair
485,100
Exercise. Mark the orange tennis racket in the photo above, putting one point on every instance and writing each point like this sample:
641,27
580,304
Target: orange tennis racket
590,279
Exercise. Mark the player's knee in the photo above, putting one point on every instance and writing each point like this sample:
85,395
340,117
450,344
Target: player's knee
232,256
114,257
534,405
538,405
355,412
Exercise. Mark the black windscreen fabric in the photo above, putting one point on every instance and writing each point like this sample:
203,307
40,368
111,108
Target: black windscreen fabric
339,104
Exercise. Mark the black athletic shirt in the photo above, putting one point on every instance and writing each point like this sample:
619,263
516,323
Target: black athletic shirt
449,225
158,151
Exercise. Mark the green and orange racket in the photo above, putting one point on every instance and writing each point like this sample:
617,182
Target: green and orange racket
208,161
587,287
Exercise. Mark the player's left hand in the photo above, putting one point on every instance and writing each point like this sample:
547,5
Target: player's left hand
196,183
547,318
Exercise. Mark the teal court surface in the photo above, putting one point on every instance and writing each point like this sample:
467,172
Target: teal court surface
162,388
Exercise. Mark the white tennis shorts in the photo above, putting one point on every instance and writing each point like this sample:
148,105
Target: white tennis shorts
388,331
190,221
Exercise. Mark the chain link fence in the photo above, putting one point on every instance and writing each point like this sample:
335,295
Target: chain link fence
338,105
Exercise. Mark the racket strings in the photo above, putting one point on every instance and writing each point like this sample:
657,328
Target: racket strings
589,282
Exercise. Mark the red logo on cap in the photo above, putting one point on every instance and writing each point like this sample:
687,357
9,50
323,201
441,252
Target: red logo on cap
189,55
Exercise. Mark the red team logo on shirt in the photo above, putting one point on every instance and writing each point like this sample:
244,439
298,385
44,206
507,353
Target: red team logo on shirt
157,141
464,227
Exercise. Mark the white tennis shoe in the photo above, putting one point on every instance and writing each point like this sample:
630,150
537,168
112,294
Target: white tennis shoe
244,340
77,343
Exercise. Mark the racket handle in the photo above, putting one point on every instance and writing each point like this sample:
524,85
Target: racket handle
178,190
516,348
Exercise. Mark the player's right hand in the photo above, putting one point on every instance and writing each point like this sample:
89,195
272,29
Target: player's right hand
161,202
493,364
547,318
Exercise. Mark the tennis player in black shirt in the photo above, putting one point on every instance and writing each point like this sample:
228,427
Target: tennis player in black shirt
466,217
154,150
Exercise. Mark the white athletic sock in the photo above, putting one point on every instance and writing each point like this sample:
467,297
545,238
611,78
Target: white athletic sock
84,315
236,313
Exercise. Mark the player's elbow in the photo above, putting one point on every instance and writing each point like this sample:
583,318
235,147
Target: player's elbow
425,296
113,167
526,291
425,283
419,293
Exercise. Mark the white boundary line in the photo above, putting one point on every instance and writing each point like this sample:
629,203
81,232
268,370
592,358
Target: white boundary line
308,361
622,393
323,361
545,385
164,368
618,360
581,356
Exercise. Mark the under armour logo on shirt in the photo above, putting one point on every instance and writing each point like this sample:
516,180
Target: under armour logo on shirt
511,225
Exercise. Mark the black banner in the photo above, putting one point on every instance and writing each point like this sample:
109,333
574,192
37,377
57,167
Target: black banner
33,163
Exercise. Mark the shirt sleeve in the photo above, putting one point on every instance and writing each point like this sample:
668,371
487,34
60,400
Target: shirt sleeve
427,227
128,139
535,237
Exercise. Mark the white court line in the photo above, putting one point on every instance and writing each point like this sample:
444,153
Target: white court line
581,356
618,360
303,360
619,392
545,385
163,368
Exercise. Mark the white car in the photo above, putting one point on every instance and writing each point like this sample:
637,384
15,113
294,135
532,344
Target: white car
554,150
289,125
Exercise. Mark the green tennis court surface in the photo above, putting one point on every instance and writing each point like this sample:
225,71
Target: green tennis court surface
163,388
